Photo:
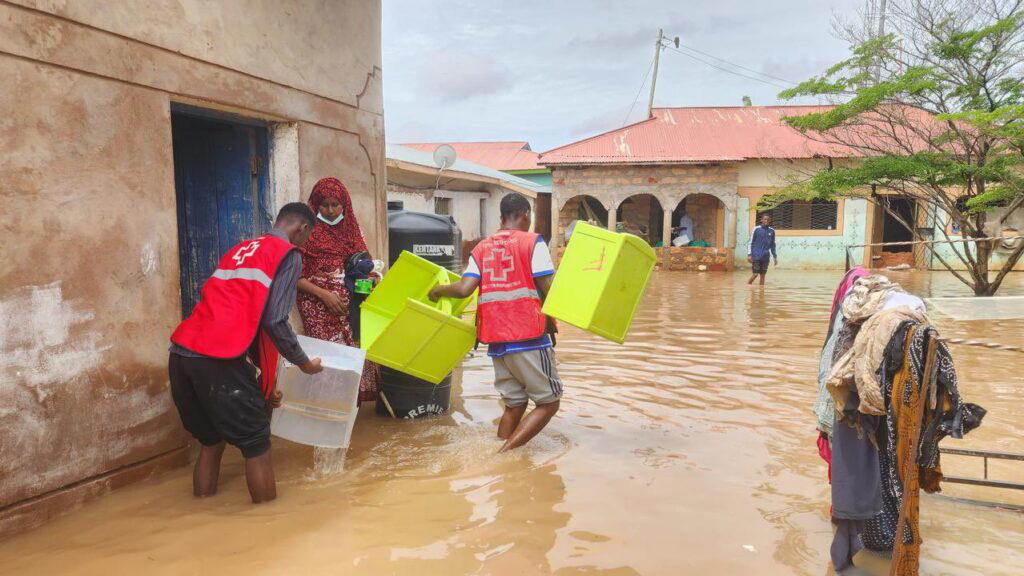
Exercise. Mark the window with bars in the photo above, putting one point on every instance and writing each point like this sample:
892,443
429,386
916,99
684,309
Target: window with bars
805,215
442,206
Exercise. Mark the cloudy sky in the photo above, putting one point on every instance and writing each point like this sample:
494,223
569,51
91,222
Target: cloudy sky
554,71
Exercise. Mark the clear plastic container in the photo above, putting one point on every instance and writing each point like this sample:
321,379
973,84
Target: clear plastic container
319,410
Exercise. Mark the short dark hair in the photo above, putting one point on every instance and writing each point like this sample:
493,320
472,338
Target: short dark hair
514,203
296,210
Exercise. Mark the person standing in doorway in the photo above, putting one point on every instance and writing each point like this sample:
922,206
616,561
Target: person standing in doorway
760,248
325,302
513,270
241,322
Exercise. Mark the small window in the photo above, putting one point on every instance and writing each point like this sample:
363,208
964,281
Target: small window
805,215
443,206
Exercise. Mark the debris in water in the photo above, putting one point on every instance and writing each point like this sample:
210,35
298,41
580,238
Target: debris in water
749,548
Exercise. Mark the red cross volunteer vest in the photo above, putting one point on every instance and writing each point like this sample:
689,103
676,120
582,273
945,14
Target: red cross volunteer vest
227,318
509,304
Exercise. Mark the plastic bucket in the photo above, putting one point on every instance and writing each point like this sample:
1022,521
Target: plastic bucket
406,397
600,281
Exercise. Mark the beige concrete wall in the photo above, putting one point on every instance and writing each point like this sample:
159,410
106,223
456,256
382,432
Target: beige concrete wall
776,173
89,290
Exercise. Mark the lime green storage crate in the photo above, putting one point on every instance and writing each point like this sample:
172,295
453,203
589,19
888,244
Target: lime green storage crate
600,281
402,329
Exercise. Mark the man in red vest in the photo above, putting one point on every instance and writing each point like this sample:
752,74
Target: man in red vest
513,270
241,322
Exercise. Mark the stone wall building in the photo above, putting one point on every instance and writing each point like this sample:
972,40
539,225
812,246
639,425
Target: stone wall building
137,140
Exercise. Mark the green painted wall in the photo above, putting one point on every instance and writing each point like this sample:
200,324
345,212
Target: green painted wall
809,252
542,178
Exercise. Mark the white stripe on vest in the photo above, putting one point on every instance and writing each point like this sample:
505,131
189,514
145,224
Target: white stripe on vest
242,274
508,295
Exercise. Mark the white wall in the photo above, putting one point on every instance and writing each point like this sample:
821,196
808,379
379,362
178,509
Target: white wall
465,208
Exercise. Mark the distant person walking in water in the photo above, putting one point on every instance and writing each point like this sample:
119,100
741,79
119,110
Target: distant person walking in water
513,270
760,247
243,311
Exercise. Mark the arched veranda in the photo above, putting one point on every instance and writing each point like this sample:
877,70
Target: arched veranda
581,207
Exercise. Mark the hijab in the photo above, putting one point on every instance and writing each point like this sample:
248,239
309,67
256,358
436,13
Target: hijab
330,246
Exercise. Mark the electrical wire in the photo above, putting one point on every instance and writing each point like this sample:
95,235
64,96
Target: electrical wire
733,72
741,67
640,90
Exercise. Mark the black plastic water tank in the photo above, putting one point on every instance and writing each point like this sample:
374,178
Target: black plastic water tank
430,236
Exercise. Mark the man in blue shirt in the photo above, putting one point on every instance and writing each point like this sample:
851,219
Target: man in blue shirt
761,245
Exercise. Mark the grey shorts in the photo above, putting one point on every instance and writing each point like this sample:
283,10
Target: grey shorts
528,375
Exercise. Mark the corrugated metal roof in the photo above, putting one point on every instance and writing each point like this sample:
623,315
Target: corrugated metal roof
405,153
497,155
713,134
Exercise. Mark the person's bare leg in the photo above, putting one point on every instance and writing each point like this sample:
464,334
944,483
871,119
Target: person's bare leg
259,476
510,420
752,276
533,423
762,279
207,470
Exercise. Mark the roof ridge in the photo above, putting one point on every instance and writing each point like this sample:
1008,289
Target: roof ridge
742,106
598,135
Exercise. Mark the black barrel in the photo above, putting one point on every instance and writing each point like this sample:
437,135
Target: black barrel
407,397
430,236
439,240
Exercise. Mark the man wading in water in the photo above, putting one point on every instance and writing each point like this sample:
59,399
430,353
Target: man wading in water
243,311
761,246
513,269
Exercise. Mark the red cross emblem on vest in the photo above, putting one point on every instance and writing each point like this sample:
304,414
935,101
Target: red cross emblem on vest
498,264
245,251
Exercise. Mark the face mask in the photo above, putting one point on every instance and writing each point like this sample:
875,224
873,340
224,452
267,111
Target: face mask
331,222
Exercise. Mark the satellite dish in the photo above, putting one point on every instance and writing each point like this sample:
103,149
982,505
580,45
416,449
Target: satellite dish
444,156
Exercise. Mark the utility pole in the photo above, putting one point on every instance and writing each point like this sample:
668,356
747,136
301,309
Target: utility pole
654,79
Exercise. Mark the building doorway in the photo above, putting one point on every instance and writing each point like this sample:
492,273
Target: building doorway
894,213
221,185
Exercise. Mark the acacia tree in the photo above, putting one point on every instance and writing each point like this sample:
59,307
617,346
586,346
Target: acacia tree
934,110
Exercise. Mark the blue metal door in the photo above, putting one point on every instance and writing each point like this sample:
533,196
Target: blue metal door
220,180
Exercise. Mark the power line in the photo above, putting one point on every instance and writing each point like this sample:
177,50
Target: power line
639,90
735,73
741,67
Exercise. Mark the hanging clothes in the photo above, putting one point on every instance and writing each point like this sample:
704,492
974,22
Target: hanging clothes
859,366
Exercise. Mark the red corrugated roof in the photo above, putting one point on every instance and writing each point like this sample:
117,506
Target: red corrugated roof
713,134
497,155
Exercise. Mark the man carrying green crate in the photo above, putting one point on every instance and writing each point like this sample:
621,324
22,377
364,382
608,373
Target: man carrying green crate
513,270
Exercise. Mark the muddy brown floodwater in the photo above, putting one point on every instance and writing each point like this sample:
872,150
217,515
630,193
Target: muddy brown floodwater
688,450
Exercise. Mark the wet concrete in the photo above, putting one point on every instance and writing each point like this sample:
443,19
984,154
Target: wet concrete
689,450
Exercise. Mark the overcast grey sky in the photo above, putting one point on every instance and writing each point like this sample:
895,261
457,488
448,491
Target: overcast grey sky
552,72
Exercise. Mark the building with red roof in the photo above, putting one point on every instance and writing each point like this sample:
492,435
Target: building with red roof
706,167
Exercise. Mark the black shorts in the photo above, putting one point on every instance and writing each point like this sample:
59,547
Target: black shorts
220,400
760,266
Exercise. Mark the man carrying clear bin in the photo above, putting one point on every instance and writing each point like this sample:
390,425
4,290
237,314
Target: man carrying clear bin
513,270
241,321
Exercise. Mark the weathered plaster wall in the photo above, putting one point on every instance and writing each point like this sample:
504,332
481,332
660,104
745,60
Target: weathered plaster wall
311,45
89,292
89,286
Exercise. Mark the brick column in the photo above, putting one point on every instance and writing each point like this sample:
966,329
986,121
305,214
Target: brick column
666,228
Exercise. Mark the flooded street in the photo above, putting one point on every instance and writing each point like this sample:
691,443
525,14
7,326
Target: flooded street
688,450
